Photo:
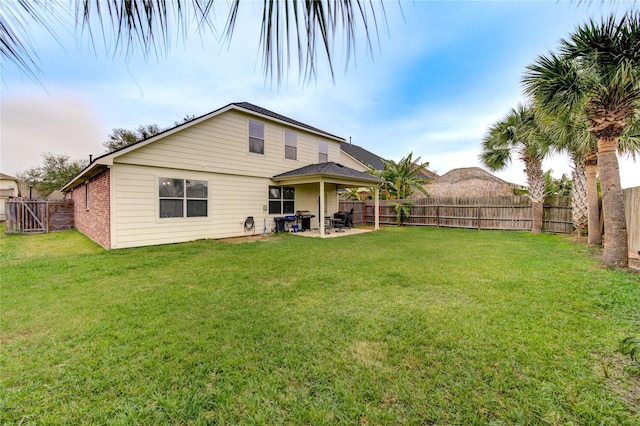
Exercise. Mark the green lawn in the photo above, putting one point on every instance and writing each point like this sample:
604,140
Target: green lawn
401,326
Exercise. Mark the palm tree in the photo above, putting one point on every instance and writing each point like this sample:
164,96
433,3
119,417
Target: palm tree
568,133
597,75
401,180
312,27
519,133
572,136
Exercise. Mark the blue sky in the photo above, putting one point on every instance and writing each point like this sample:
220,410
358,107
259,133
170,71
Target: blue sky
440,75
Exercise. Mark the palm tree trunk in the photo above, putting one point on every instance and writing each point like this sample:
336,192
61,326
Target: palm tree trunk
579,200
535,179
616,252
591,169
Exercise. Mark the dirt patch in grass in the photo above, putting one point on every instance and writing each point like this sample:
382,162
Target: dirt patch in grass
370,353
623,376
249,239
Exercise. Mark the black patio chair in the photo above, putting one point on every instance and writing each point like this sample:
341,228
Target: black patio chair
342,220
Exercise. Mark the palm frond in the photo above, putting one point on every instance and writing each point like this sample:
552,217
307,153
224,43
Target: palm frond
315,26
631,346
15,20
151,26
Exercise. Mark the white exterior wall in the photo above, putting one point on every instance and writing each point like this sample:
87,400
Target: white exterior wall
8,188
215,151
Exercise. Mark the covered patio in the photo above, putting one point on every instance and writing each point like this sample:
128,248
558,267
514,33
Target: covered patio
334,175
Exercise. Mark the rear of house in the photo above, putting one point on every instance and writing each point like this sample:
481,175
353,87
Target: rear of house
205,178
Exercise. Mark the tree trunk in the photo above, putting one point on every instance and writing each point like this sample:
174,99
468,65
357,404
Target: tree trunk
579,200
535,179
616,252
536,225
591,169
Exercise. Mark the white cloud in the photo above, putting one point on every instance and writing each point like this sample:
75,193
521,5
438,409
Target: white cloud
32,125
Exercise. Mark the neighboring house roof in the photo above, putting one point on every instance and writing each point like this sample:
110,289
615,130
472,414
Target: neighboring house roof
99,163
428,174
468,182
363,156
7,177
56,195
329,170
466,173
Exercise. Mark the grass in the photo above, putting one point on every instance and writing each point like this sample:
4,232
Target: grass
402,326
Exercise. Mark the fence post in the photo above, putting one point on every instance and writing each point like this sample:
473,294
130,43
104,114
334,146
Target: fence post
437,216
479,227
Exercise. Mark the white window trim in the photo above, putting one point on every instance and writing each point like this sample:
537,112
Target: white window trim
295,146
159,219
281,200
264,141
323,144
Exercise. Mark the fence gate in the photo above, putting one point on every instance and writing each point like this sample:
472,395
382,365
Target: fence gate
33,216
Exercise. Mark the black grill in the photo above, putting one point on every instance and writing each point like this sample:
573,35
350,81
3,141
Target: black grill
304,218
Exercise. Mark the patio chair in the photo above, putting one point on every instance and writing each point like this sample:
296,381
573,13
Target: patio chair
342,220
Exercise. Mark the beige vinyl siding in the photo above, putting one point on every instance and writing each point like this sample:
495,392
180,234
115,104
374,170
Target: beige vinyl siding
220,145
231,200
348,161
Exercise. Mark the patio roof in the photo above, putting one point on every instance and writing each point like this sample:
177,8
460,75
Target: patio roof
328,172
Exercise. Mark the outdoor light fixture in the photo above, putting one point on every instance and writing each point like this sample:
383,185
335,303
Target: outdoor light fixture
30,190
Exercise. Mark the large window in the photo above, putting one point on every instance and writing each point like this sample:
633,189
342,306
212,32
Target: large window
323,151
183,197
256,137
290,145
281,200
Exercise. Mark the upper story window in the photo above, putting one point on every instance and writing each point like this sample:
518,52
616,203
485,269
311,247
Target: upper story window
290,145
323,151
256,137
182,197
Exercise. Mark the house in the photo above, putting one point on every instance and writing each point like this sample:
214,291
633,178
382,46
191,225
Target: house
207,177
468,182
9,188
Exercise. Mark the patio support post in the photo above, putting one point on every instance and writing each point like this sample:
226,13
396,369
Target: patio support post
321,218
377,209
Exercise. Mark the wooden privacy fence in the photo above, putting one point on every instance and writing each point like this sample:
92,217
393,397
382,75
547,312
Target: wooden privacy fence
31,216
632,213
505,213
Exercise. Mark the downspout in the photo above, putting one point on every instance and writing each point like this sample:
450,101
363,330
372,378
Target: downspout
321,218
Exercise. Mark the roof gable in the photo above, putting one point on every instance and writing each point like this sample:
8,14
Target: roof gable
246,107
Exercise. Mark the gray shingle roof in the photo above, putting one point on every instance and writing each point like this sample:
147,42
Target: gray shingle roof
363,156
271,114
330,168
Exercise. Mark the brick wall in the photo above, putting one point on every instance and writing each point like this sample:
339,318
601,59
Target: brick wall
93,219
